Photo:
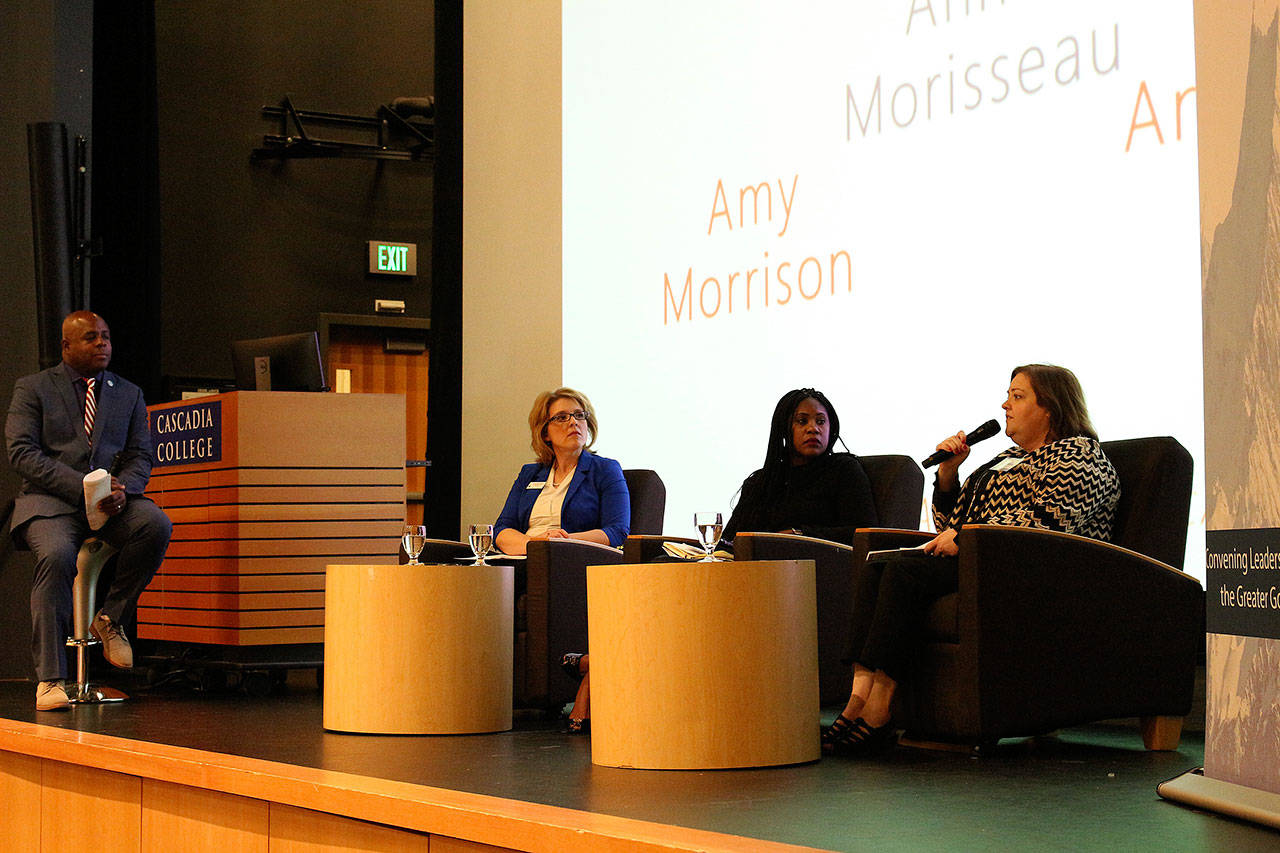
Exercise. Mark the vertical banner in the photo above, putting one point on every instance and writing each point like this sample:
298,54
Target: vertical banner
1236,80
1242,738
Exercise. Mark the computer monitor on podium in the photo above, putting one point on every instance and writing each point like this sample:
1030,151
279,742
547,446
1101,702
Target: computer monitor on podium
280,363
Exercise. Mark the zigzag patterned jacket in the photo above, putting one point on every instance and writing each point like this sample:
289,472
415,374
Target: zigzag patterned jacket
1067,485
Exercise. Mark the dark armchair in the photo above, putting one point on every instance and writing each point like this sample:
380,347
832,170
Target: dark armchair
1049,629
555,603
551,594
897,487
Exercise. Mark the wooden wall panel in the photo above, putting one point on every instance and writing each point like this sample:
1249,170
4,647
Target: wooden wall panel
105,805
235,636
236,583
445,844
295,830
374,370
245,564
271,494
233,601
93,783
19,801
196,820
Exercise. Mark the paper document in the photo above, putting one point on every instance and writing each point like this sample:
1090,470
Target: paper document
97,485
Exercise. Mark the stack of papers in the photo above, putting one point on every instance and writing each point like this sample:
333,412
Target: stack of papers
684,551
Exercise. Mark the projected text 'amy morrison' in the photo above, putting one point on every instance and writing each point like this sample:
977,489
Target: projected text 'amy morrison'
769,284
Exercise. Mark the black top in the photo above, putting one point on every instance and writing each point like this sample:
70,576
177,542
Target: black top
826,498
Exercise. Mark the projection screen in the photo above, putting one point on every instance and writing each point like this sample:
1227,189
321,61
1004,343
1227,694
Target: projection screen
894,202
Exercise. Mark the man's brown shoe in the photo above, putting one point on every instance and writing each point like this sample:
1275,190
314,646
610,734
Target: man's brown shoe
115,645
51,696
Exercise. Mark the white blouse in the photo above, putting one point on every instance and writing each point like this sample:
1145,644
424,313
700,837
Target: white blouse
546,509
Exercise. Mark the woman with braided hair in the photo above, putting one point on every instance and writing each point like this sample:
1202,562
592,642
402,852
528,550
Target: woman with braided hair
804,487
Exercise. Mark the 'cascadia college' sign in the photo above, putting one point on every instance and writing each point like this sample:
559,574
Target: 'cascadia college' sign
187,434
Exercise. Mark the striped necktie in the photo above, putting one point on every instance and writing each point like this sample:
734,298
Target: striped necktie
90,409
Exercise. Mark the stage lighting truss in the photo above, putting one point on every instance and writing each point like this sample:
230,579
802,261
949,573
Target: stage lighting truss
404,130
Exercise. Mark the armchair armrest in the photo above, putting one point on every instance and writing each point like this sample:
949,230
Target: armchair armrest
646,547
833,574
866,539
556,611
1067,629
443,551
785,546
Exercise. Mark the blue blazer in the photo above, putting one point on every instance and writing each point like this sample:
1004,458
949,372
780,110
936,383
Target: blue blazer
48,448
597,498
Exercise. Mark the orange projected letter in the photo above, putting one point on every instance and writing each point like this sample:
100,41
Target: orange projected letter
848,270
1182,95
755,203
785,203
785,284
702,297
800,277
1134,124
719,207
686,297
750,273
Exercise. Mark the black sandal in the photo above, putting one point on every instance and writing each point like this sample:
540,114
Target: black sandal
571,663
836,730
859,738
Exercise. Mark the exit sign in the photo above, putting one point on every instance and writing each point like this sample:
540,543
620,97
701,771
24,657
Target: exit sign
393,258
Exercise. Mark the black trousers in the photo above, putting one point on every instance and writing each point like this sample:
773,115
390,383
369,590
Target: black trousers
141,532
890,599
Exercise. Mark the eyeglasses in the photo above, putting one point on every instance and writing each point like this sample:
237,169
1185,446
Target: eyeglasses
565,417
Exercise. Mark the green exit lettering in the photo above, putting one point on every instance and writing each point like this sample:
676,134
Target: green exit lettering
393,258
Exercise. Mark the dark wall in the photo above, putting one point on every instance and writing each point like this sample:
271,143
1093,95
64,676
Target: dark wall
46,77
253,249
124,283
200,246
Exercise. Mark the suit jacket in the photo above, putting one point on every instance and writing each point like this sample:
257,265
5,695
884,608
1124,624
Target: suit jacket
48,448
597,498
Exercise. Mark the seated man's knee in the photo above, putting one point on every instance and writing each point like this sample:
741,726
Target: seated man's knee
151,523
55,545
61,555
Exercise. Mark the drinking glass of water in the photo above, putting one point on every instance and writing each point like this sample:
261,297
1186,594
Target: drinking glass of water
480,538
413,539
709,528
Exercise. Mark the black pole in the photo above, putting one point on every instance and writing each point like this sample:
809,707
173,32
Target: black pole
51,229
79,217
444,385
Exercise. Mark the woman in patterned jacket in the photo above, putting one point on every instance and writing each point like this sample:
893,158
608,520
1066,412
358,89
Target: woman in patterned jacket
1056,477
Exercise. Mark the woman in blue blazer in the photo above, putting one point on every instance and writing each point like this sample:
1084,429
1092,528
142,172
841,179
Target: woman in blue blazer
569,492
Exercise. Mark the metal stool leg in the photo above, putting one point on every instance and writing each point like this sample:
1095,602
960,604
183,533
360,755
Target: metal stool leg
93,555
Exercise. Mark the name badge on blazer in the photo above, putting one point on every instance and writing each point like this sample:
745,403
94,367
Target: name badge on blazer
536,484
1007,463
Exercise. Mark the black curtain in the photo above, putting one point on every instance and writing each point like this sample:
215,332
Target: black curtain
125,279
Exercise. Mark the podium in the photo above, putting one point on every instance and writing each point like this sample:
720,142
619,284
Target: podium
264,489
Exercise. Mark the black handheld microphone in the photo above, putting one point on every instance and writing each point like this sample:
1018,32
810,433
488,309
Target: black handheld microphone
981,433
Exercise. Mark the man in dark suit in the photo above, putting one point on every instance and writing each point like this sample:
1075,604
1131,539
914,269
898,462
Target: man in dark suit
63,423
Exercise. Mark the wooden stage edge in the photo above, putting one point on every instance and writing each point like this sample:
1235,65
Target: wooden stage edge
439,813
